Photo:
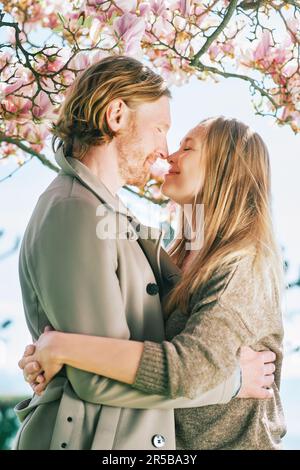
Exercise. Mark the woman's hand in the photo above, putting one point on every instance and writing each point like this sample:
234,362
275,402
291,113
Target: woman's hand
41,360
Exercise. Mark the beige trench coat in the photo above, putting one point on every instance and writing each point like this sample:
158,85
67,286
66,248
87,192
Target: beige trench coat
79,277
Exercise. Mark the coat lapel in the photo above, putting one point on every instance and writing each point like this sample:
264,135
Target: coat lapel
72,166
151,248
149,238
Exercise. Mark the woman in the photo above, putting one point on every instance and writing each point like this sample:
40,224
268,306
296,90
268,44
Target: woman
228,296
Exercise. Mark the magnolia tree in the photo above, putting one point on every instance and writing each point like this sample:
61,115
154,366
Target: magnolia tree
45,43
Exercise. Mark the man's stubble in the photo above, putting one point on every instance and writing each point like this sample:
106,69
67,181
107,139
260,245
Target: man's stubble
131,156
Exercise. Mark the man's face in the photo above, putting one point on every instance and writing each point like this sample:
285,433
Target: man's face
143,141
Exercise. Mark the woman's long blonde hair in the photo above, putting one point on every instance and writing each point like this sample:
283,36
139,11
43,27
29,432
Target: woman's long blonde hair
237,215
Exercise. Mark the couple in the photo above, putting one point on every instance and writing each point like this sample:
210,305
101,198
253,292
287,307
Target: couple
136,348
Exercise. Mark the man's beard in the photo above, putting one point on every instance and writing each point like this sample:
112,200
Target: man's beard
131,158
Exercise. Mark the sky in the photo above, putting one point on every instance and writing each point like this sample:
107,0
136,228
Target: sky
190,104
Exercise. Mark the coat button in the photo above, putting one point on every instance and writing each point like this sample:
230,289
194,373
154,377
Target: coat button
152,289
158,441
130,235
64,445
69,419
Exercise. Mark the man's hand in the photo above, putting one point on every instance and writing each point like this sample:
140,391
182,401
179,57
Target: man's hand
40,362
257,373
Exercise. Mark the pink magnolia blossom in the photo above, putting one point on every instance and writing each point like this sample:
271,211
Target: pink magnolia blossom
6,150
43,107
126,5
5,58
268,57
130,29
215,52
80,61
144,9
20,108
11,36
8,89
263,47
33,9
83,60
185,7
97,55
158,7
163,29
52,60
51,20
136,27
35,134
159,168
293,85
180,23
290,69
228,48
293,29
95,31
50,8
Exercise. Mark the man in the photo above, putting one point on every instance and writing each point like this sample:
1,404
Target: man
85,268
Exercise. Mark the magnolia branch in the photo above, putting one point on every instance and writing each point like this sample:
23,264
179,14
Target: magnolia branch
205,68
252,5
15,170
230,11
40,60
44,160
159,202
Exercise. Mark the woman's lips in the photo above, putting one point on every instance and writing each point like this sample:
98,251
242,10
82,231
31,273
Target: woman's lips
172,173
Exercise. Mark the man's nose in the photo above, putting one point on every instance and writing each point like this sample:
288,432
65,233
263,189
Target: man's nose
171,158
163,151
162,154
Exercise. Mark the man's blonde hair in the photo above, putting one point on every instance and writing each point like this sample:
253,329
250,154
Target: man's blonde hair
82,118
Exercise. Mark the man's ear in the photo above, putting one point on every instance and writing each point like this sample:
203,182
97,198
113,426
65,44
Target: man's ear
117,114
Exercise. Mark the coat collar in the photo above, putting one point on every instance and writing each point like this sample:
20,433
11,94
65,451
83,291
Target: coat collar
74,167
150,244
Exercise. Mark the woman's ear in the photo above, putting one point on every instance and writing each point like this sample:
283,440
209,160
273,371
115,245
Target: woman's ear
117,115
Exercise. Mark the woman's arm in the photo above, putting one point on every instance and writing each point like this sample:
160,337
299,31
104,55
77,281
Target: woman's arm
107,391
53,349
114,358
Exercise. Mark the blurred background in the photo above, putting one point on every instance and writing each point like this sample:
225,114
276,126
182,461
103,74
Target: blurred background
190,104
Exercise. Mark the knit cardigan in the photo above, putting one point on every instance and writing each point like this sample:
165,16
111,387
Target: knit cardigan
240,308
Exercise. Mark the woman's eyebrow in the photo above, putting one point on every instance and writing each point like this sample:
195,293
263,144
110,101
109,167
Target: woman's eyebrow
186,139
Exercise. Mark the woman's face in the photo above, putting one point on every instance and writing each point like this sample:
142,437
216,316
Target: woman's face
186,173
